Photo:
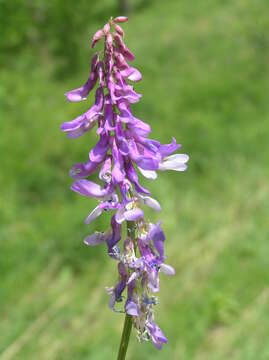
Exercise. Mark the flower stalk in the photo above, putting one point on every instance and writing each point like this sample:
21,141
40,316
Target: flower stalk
128,323
127,328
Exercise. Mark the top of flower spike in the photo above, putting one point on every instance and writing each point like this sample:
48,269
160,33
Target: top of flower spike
106,29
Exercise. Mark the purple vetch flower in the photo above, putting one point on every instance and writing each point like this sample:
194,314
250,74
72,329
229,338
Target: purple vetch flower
82,170
114,237
131,305
128,215
95,239
167,269
98,153
175,162
122,155
156,334
82,92
86,121
110,204
91,189
131,73
147,200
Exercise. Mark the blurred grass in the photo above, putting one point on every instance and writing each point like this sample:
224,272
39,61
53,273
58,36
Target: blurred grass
205,67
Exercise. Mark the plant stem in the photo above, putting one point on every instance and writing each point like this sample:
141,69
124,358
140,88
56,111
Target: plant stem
128,318
125,337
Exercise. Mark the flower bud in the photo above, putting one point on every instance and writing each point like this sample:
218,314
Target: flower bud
119,30
109,41
119,41
106,28
121,62
120,19
128,54
97,36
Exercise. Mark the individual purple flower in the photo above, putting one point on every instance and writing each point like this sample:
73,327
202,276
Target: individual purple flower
86,121
82,92
156,334
91,189
82,170
122,152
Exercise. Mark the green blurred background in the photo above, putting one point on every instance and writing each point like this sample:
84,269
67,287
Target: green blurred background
205,81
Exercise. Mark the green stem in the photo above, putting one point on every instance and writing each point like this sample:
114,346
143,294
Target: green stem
125,337
128,318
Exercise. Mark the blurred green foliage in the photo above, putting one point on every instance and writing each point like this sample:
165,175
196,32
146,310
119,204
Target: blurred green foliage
55,26
205,81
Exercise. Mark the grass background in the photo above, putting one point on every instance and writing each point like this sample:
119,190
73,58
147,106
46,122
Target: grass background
206,82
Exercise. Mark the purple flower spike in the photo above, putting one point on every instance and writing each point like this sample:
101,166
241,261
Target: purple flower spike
122,155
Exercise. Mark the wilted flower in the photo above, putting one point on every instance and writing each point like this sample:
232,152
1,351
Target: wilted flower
123,149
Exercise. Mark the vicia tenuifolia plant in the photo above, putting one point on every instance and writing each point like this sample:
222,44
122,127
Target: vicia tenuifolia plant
123,150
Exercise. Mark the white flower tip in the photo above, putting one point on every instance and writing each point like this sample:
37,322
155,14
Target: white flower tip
93,215
154,204
167,270
175,162
74,97
148,174
181,168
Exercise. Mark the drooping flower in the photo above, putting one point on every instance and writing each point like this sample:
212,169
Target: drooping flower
123,150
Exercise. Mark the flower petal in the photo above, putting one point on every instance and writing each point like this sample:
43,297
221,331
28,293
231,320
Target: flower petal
175,162
89,188
81,170
148,174
93,215
167,270
95,239
82,92
134,214
147,200
131,308
167,149
98,153
119,216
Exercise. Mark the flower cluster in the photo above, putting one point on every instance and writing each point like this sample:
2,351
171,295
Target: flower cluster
123,150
